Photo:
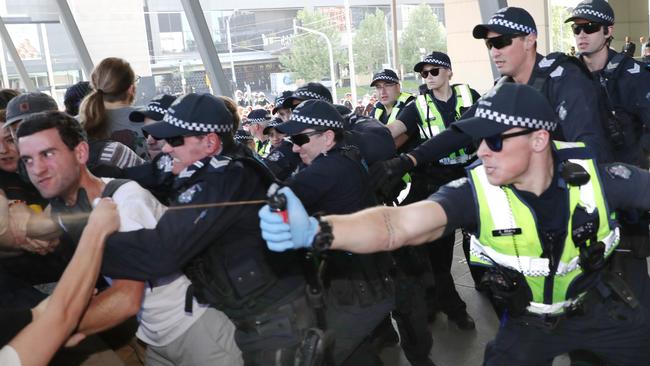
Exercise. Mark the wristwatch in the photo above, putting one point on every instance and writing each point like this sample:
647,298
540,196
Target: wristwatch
324,238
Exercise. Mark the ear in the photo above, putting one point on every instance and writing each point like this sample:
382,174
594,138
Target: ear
81,152
540,140
609,31
212,143
529,40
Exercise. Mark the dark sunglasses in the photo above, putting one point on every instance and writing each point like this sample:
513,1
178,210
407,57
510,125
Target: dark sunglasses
495,143
433,72
588,28
501,41
303,138
177,141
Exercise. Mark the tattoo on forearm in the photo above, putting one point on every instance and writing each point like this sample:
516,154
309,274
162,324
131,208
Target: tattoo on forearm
391,231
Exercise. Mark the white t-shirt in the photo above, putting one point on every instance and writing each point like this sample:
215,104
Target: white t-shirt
162,316
9,356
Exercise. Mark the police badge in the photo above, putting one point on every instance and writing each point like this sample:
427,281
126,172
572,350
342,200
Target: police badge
619,171
188,194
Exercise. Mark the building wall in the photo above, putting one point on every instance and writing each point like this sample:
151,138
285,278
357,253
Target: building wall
631,20
114,28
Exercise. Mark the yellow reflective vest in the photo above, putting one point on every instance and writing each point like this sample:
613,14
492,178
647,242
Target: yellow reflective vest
508,235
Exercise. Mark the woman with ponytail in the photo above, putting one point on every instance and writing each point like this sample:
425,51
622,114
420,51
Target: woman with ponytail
104,113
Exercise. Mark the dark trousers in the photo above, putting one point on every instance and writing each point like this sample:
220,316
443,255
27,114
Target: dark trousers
611,329
446,298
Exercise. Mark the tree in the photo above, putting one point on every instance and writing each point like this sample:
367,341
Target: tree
370,43
561,34
308,57
423,31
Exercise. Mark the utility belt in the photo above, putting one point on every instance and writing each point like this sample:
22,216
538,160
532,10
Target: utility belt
608,288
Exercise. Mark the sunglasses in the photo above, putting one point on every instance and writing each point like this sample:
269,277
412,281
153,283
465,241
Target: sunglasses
433,72
177,141
501,41
588,28
303,138
495,143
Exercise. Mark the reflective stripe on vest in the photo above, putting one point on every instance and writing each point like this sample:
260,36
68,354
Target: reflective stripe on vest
262,147
501,211
401,101
431,122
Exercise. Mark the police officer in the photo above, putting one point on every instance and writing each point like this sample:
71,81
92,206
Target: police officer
391,97
511,37
626,85
419,121
281,159
245,138
358,290
542,226
218,248
255,122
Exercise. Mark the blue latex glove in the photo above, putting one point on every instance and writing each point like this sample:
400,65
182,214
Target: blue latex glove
279,235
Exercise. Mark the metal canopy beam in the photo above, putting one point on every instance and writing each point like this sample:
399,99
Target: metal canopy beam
78,43
11,48
201,32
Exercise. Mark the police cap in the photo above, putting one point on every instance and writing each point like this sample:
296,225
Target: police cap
598,11
309,91
386,75
509,20
193,114
155,109
279,101
506,106
435,58
316,114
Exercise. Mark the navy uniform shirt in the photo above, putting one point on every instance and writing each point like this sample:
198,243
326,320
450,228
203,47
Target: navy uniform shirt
629,96
574,98
182,234
282,160
331,184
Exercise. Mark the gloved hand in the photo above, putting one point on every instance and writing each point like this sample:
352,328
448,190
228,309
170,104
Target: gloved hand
382,172
298,233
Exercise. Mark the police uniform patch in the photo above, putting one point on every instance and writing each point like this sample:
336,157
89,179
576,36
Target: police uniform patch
274,156
165,163
561,111
457,183
188,194
619,171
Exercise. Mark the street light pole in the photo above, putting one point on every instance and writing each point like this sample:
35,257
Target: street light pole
232,60
348,27
329,50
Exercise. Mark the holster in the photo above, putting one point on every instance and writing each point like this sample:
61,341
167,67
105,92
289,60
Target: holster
509,289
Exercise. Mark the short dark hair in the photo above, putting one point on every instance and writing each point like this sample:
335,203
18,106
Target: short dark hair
69,129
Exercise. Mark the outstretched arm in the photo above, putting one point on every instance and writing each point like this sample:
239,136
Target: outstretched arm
37,343
371,230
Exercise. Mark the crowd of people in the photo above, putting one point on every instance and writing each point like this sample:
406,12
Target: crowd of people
231,232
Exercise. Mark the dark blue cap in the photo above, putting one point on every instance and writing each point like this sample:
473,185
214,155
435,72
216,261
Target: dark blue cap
193,114
434,58
316,114
309,91
155,110
386,75
509,20
259,115
506,106
243,135
279,101
274,122
598,11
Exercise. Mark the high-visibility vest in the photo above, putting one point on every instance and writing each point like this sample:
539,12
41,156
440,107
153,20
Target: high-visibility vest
262,147
432,123
402,100
509,236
